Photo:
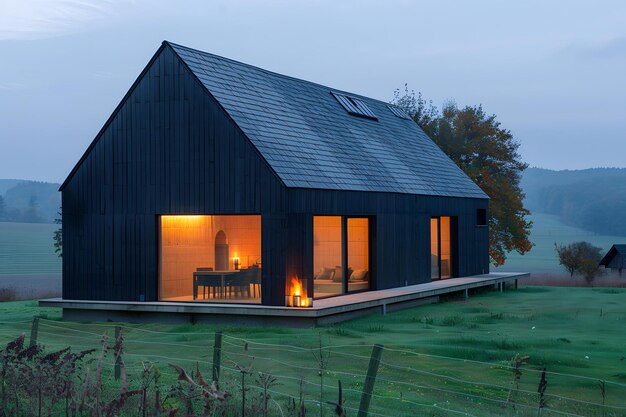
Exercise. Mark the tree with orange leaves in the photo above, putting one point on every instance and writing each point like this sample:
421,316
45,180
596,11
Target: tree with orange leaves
488,154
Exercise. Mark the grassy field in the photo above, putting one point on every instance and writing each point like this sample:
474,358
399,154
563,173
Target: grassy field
27,248
439,360
547,230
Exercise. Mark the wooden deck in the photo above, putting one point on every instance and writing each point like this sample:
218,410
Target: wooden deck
325,311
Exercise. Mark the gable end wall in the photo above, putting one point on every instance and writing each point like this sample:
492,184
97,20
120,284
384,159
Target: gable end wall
169,149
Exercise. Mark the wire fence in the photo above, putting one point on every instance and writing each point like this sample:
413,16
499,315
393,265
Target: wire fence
407,382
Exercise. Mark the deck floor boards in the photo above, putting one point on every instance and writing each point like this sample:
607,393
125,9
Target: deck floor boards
323,311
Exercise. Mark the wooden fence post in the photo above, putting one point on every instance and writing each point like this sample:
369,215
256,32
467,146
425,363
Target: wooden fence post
370,379
116,368
217,356
34,331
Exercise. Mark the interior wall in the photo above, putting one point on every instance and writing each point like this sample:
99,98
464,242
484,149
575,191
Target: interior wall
358,248
326,242
185,246
244,238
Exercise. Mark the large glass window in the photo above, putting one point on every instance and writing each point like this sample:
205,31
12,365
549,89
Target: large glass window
441,247
210,258
327,253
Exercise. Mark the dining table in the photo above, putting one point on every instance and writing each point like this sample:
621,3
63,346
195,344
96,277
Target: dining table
209,275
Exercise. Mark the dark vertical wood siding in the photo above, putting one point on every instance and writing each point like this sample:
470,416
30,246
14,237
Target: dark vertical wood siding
402,224
171,149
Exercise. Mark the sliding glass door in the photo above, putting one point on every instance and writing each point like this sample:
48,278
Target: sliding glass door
441,256
327,256
445,248
341,255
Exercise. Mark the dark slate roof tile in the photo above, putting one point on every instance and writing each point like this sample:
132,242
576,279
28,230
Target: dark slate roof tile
310,140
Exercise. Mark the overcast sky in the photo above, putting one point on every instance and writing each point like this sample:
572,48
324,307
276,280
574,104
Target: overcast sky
553,72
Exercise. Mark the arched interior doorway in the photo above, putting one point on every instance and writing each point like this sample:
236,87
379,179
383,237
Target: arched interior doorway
222,255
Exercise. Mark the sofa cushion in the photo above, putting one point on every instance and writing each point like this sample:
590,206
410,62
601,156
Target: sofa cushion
359,275
326,273
338,276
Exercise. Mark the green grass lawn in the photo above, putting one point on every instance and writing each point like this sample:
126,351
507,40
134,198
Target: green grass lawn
27,248
547,230
439,359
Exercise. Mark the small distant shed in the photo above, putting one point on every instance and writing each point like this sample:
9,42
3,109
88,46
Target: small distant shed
615,258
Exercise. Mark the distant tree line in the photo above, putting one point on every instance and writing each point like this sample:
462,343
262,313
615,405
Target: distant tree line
598,206
30,202
593,199
28,214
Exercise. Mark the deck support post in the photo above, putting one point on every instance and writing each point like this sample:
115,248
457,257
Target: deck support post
466,293
384,309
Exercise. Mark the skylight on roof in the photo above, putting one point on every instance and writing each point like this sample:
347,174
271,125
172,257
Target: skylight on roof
354,106
399,112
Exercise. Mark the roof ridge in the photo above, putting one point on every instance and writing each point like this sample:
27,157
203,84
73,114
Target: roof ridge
290,77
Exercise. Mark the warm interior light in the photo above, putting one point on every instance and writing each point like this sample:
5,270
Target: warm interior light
181,217
296,286
190,242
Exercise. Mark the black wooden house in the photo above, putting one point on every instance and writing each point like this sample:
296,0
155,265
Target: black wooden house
219,182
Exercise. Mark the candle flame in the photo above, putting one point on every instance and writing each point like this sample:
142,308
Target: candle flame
299,290
296,286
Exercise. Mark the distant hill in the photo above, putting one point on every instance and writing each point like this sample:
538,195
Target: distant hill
590,199
29,201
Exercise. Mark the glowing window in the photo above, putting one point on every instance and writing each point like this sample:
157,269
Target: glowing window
210,258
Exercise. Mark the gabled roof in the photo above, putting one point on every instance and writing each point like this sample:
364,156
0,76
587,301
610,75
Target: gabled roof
615,249
309,139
